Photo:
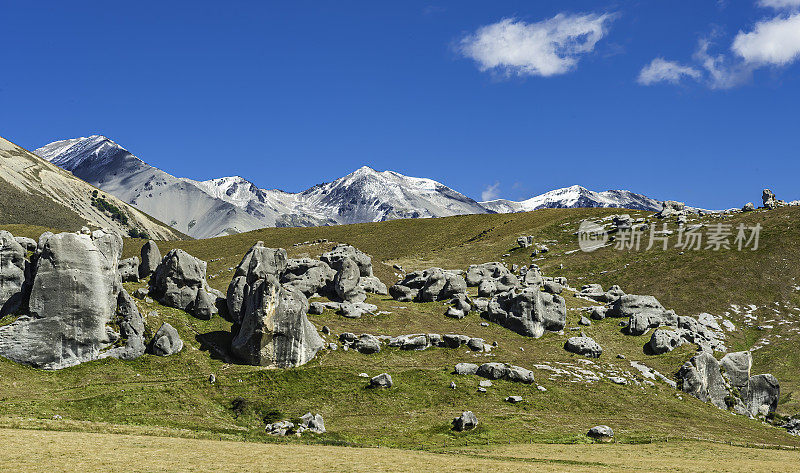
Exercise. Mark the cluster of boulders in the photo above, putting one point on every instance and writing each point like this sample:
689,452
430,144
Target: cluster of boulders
529,304
496,371
644,313
429,285
70,300
308,423
369,344
768,200
728,384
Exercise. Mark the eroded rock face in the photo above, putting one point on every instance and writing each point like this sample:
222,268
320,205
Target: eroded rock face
73,298
760,395
12,273
177,279
273,327
345,283
701,377
664,341
150,257
529,312
129,269
131,329
736,367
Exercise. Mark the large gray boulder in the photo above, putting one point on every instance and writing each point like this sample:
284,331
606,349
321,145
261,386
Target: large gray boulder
274,328
259,262
204,306
529,312
177,280
585,346
166,341
150,257
346,282
73,298
760,395
736,368
701,377
663,341
12,273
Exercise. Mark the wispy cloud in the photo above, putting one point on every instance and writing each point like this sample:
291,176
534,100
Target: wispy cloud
661,70
546,48
779,4
774,42
491,192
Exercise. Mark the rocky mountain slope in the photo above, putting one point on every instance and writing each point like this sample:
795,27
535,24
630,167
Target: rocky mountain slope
574,197
38,192
181,203
233,204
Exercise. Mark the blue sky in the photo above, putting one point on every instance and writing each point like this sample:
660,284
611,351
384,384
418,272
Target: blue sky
520,96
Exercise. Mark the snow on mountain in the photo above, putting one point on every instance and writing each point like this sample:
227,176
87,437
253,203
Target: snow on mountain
575,196
181,203
233,204
365,195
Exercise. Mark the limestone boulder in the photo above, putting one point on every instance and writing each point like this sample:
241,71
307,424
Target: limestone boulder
150,257
528,312
73,298
166,341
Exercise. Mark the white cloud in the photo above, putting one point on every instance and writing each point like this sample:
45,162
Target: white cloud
772,42
491,192
779,4
723,73
661,70
545,48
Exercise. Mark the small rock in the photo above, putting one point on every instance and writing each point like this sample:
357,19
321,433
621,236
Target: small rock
481,390
212,379
383,380
601,433
514,399
541,388
485,383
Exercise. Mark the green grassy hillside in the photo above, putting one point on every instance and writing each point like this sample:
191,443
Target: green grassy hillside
175,393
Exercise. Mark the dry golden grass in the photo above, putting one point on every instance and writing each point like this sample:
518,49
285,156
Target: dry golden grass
33,450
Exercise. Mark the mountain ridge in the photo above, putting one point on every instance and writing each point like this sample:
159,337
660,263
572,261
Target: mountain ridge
234,204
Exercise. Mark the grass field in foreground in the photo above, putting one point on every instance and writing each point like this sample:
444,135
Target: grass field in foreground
32,450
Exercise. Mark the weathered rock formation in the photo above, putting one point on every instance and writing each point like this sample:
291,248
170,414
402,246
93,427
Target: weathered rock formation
271,324
528,312
179,281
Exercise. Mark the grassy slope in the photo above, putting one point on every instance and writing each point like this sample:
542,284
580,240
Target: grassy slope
174,392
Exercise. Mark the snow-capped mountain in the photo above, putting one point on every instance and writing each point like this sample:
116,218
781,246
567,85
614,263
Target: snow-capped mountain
575,196
181,203
365,195
233,204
